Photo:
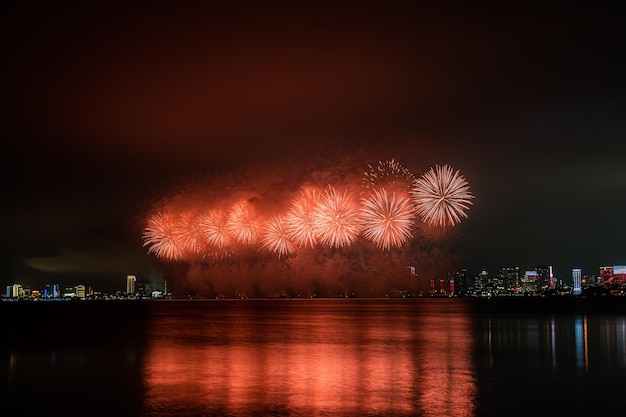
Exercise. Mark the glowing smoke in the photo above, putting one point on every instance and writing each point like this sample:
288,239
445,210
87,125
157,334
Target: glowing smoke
307,233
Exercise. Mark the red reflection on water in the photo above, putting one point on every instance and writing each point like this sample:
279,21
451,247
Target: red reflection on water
334,364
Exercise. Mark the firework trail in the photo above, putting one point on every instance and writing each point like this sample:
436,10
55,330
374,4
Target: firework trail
213,227
189,234
442,196
275,237
336,218
387,219
299,219
390,175
161,235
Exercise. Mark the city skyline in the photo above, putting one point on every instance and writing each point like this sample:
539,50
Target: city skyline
512,277
114,111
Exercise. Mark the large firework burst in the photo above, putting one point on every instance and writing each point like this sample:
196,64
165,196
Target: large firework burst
336,218
299,219
161,235
442,196
189,234
275,237
387,219
242,223
213,227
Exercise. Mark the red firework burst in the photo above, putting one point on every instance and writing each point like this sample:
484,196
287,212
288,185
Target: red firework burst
387,219
336,218
213,227
442,196
275,237
242,223
189,233
160,235
299,220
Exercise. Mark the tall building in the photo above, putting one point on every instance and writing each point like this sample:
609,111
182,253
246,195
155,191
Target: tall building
619,274
130,284
530,282
458,283
510,277
606,274
80,291
576,278
544,277
481,284
18,291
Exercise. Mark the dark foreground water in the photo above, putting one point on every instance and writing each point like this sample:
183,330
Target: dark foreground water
339,357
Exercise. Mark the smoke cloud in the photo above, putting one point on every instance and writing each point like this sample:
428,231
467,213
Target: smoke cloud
360,269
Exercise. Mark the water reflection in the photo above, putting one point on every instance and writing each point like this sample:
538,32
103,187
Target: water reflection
424,357
563,363
312,359
582,348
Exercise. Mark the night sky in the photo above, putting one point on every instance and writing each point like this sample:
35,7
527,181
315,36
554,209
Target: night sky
107,111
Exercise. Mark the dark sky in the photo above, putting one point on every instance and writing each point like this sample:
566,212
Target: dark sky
108,109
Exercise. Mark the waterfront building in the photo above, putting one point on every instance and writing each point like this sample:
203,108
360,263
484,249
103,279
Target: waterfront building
481,284
510,277
619,274
458,283
80,291
130,284
529,282
577,281
606,275
69,292
544,278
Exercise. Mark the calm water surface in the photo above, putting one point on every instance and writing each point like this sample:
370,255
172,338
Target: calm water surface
321,357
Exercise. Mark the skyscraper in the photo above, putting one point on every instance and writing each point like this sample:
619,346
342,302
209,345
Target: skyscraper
130,284
576,277
80,291
544,277
510,277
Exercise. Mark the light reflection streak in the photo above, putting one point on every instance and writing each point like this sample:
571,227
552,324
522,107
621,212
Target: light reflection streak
553,343
316,365
582,347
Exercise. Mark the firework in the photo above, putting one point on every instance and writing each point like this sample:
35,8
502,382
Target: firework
189,234
275,237
299,219
242,223
213,227
336,218
390,175
161,235
442,196
387,219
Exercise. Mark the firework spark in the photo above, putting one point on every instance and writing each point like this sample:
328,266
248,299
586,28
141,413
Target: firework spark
390,175
299,220
161,235
242,223
275,237
387,219
442,196
336,218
